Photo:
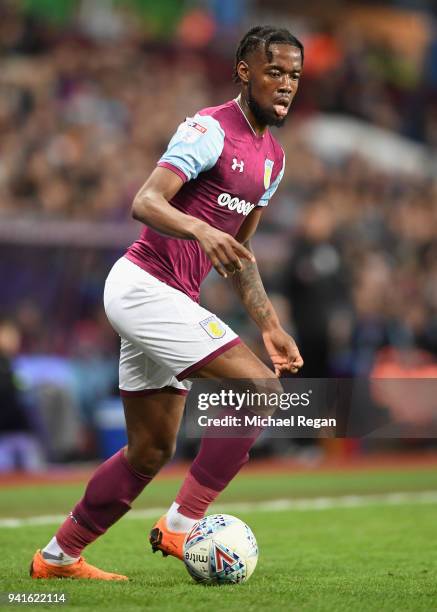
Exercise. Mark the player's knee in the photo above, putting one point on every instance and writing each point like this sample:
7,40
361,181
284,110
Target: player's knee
263,395
165,451
271,385
148,457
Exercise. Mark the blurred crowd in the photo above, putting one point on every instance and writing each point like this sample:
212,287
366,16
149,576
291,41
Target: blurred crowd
82,122
82,127
348,250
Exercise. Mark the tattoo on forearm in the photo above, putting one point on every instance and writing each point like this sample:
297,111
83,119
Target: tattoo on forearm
250,288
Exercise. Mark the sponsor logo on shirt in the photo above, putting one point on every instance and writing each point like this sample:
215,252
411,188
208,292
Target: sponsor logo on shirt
240,206
213,327
268,167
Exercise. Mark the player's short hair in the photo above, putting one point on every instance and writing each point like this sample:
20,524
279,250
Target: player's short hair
263,36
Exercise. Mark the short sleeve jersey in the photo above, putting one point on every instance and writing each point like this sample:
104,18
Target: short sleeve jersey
227,170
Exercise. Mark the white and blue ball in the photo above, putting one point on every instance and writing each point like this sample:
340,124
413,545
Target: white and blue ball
220,549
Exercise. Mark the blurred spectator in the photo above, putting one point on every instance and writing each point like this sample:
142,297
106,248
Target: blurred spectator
315,283
19,447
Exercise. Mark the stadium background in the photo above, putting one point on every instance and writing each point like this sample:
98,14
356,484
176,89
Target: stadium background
90,93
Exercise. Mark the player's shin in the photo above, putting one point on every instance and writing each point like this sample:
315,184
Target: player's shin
108,496
217,462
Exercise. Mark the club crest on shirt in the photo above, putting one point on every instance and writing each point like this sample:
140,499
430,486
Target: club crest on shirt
213,327
268,167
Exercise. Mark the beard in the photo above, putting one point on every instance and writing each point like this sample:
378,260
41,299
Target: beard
263,116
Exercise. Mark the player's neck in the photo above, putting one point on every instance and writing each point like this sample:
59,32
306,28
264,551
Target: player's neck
257,129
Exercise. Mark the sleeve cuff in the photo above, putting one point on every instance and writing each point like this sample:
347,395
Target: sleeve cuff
174,169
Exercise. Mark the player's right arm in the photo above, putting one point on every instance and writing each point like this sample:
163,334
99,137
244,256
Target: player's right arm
190,152
151,206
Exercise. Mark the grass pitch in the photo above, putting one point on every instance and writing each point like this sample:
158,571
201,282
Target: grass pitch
379,556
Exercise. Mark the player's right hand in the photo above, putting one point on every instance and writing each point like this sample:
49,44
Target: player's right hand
223,250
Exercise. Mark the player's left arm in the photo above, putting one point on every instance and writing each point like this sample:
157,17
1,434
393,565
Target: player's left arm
280,346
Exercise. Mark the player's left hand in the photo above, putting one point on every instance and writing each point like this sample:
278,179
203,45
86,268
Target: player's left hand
283,351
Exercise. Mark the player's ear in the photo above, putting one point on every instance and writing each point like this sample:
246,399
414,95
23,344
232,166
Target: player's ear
243,72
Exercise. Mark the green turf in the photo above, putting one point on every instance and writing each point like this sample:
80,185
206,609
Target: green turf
52,499
355,559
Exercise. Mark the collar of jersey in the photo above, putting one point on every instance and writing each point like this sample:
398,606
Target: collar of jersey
246,119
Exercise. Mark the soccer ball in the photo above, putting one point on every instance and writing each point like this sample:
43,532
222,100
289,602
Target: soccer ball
220,549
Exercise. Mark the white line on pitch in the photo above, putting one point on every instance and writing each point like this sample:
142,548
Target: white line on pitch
274,505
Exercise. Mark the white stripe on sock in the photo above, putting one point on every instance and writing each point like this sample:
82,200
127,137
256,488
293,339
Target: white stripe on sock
177,521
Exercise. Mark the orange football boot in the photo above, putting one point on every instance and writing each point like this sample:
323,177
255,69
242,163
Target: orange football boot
39,568
168,542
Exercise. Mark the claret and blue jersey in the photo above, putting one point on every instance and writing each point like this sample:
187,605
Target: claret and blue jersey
227,171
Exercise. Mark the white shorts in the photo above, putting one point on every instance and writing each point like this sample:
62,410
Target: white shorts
165,336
